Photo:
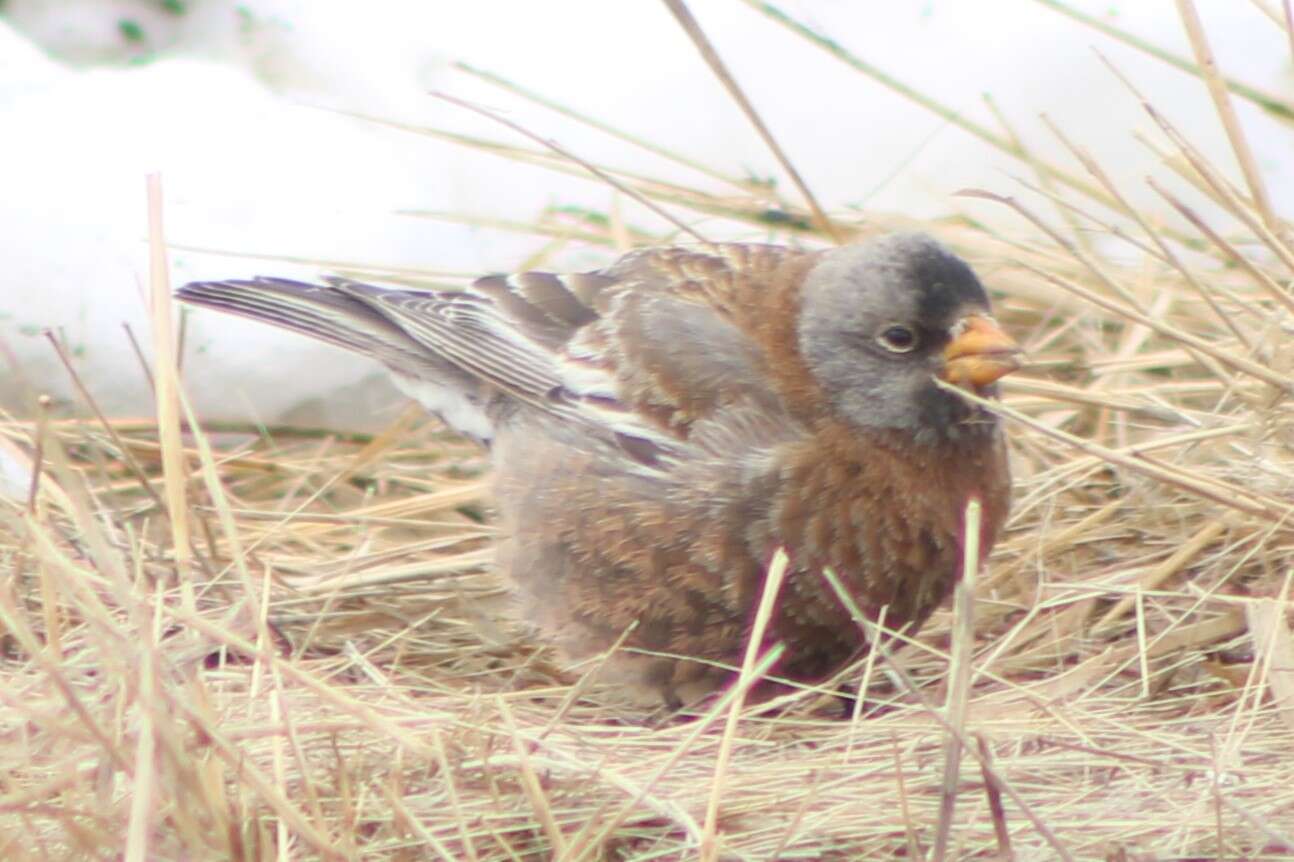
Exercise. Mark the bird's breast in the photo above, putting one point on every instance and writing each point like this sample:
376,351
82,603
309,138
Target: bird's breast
886,516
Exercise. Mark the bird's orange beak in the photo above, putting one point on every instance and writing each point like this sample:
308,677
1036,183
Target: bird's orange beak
979,353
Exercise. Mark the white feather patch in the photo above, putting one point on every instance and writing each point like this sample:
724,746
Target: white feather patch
456,409
586,380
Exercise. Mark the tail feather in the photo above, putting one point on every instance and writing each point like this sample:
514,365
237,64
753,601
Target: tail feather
351,319
320,312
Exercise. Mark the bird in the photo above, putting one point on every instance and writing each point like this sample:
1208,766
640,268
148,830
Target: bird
659,428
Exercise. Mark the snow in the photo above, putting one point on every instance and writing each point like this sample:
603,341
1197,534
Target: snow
247,110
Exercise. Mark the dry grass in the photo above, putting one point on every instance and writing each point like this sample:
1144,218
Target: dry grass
262,643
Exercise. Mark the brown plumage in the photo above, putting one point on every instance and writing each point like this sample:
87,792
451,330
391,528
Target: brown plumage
660,427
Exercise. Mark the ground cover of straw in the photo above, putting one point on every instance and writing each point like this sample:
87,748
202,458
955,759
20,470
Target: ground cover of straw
321,675
264,642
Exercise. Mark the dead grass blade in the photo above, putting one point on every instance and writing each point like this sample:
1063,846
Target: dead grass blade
574,159
1208,67
959,675
745,680
708,53
1268,102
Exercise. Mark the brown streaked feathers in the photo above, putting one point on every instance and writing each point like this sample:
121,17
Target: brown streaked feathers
660,427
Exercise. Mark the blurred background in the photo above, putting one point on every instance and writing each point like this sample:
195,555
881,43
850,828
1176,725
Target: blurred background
300,137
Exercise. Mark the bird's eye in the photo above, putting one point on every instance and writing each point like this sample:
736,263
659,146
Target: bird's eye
897,338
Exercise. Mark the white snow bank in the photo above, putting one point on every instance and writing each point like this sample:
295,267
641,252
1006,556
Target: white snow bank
248,167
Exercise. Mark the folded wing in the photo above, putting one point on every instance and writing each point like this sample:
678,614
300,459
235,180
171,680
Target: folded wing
640,353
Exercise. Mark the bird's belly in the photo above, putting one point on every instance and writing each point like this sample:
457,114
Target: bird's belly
601,551
673,566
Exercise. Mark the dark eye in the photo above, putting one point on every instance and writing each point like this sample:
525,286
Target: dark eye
898,338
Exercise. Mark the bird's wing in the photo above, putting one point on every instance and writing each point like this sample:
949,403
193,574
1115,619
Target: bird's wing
644,349
671,343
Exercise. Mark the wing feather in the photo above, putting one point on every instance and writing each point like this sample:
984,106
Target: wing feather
644,350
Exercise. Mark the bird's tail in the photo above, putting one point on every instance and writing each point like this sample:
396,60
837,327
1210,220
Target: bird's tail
329,313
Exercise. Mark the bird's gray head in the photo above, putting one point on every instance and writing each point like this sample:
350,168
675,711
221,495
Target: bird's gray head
880,321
